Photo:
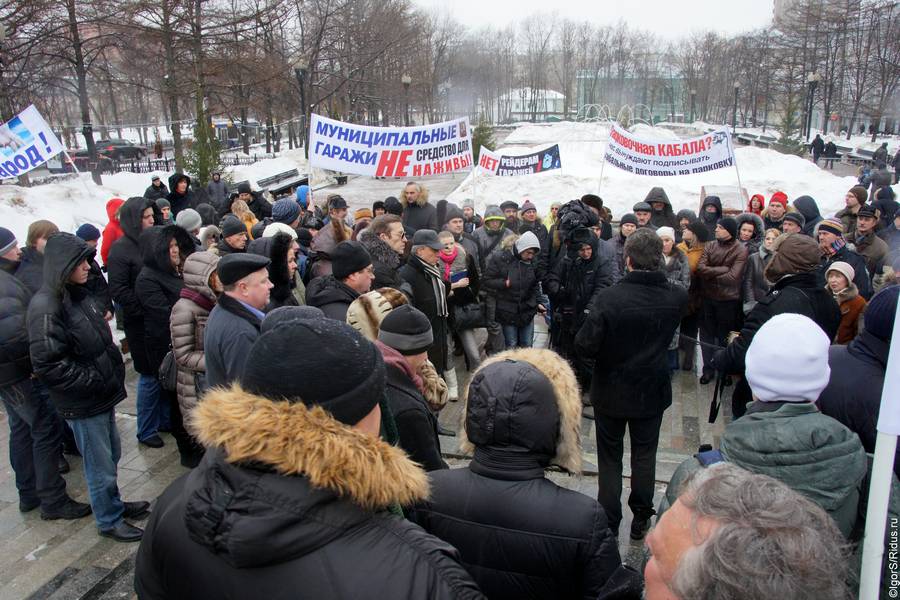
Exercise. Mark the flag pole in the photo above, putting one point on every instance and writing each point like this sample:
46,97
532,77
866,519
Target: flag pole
77,172
737,172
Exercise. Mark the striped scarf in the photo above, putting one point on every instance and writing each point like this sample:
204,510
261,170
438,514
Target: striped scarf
440,295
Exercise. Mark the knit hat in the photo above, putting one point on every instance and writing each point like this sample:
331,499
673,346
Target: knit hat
376,205
453,212
881,312
163,203
729,225
699,230
787,360
7,240
843,268
407,330
867,210
234,267
243,187
272,229
795,217
304,236
792,253
509,204
87,232
392,206
154,178
860,192
831,225
666,232
366,313
273,364
189,219
528,205
286,314
285,211
362,213
493,212
303,195
642,207
628,218
779,198
348,257
231,225
527,241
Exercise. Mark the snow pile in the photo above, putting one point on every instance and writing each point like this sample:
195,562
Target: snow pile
582,148
289,159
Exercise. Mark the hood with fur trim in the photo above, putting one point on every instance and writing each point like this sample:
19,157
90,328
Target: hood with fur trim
759,228
295,440
422,200
515,408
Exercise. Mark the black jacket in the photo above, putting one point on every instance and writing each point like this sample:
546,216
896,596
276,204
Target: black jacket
15,364
258,205
179,202
575,282
333,297
419,284
98,288
385,262
278,525
855,260
126,261
275,248
420,216
710,220
31,269
158,287
71,346
853,393
155,193
516,304
627,334
804,294
519,534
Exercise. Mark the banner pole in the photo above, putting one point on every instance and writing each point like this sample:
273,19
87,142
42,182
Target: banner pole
77,172
602,166
738,172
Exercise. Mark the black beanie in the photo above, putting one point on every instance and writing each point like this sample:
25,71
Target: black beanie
348,257
285,314
453,212
392,206
407,330
275,369
243,188
699,230
304,236
377,204
231,225
796,218
729,225
628,218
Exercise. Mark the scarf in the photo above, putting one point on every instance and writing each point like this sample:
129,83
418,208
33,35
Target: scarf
393,358
197,298
437,285
836,246
448,259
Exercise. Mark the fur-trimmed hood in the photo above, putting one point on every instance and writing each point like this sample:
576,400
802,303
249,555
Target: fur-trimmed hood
295,440
422,200
759,228
511,404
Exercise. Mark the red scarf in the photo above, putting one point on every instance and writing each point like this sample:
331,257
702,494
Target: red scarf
393,358
197,298
448,260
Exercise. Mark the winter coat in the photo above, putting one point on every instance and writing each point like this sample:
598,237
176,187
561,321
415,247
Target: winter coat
275,248
793,442
886,204
230,331
665,217
416,424
575,282
31,269
472,252
861,275
755,286
618,244
693,254
853,393
155,193
385,261
518,533
721,269
421,214
848,219
874,250
71,346
710,220
678,270
803,294
277,509
15,364
218,192
113,229
538,229
759,231
158,287
419,283
330,295
258,205
807,207
517,302
179,202
852,307
223,249
817,146
187,325
324,244
98,288
627,334
488,242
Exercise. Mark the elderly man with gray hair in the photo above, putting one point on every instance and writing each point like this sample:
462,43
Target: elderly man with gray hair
744,536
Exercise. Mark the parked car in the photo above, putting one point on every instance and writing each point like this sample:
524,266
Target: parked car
82,161
118,149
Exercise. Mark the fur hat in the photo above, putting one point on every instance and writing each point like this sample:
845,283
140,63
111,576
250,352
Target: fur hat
366,312
666,232
700,231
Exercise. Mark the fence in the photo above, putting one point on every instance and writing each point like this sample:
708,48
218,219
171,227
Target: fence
168,164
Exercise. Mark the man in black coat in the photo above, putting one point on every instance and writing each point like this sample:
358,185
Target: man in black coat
853,393
429,294
518,533
418,213
156,190
385,241
797,288
73,354
233,324
351,274
35,430
297,494
403,339
96,283
627,333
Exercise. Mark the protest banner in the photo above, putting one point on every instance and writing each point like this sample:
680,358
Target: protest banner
26,142
526,164
390,151
667,158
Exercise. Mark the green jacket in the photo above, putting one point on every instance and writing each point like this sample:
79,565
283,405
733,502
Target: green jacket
798,445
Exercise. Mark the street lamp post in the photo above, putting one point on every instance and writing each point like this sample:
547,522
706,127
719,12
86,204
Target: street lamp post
813,81
737,89
693,97
301,67
406,80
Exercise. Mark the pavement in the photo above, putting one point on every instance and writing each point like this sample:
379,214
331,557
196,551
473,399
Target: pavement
67,560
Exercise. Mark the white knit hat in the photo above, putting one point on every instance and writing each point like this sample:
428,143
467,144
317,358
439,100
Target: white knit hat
527,241
787,361
666,232
273,229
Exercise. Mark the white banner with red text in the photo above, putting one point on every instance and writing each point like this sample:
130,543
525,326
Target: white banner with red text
668,158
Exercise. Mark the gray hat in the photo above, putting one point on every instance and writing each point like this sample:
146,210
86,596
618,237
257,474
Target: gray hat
642,207
427,237
189,219
407,330
231,225
234,267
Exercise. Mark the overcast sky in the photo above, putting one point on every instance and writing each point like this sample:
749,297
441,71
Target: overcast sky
667,18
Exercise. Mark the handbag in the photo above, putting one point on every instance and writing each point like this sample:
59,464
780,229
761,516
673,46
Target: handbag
468,316
168,372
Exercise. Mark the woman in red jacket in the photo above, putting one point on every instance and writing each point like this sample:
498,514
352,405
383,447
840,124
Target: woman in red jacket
113,230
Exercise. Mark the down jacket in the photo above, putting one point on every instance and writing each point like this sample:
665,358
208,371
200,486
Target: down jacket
113,229
516,303
71,346
187,325
277,509
519,534
755,285
15,365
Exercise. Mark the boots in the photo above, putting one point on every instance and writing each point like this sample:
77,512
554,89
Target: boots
452,385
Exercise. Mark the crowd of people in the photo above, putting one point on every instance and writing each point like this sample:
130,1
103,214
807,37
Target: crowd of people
300,355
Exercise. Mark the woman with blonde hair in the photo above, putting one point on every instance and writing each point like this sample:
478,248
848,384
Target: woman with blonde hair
240,209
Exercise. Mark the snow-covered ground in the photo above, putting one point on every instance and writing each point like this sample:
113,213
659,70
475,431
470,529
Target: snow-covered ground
582,148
